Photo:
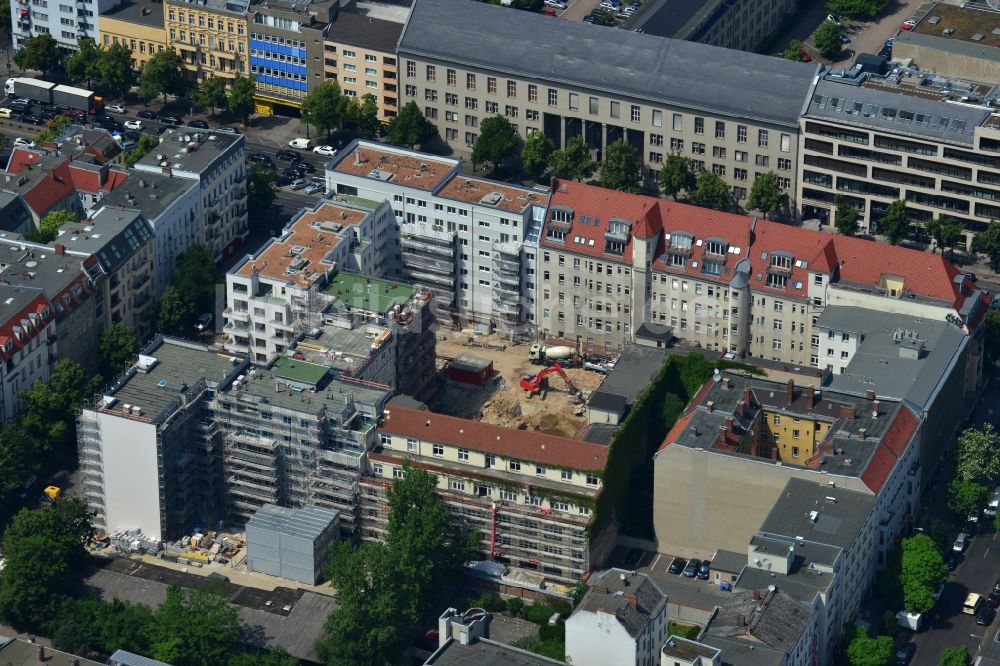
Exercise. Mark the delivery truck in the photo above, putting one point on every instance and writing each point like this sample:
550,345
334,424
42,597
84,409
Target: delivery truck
50,93
33,89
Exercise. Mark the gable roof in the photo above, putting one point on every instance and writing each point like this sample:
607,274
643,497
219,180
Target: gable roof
527,445
53,188
703,224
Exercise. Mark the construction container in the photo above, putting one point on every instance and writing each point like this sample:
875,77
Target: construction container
468,369
291,543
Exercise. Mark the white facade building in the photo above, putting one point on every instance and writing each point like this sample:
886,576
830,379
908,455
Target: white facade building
27,343
65,22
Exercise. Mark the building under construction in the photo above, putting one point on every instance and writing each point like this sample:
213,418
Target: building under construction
190,437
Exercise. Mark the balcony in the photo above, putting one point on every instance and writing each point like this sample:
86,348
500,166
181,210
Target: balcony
504,307
420,262
236,315
505,264
509,279
503,289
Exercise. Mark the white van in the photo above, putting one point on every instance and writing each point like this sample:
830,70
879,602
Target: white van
299,143
994,505
972,603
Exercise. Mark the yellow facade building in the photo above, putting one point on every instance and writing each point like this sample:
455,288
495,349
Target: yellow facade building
138,25
211,37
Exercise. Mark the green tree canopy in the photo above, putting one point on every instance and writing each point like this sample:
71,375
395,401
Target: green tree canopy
946,232
410,128
173,314
43,551
211,94
324,107
895,224
964,497
498,141
864,650
92,628
827,40
863,9
48,409
536,154
118,347
992,342
846,216
988,242
196,627
367,121
40,53
48,226
161,74
53,130
923,571
81,67
711,192
977,458
260,193
677,175
794,50
954,656
622,167
21,454
195,278
240,101
574,161
766,194
145,144
114,67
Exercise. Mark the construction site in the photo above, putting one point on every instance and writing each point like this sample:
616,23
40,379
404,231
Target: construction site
559,409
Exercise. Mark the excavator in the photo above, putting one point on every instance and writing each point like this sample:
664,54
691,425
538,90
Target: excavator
538,382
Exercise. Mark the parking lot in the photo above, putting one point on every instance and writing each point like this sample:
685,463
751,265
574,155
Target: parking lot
864,36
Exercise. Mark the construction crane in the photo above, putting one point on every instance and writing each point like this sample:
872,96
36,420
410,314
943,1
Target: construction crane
536,383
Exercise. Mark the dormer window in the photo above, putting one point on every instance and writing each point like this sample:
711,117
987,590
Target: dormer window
681,242
560,221
716,246
780,263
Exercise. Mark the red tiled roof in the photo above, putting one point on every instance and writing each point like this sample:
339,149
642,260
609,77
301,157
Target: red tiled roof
600,205
20,159
675,431
804,245
38,305
54,187
703,223
879,468
89,180
526,445
900,431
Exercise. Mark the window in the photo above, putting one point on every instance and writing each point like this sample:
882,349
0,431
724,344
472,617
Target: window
656,139
532,92
553,97
431,72
677,145
491,84
678,123
491,460
636,113
657,118
463,454
470,81
616,109
510,111
784,164
471,103
539,470
411,69
559,506
762,138
699,125
512,89
566,475
492,107
457,485
398,473
514,465
786,143
452,77
411,444
720,129
377,469
508,495
592,479
574,102
740,174
795,450
795,434
532,501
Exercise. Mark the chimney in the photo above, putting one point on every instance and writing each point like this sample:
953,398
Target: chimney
847,412
742,619
756,595
725,382
862,432
790,393
60,248
746,397
774,453
869,394
741,408
875,407
710,406
729,422
811,395
694,430
41,654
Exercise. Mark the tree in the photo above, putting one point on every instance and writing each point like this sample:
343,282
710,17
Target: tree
117,348
276,657
367,121
574,161
711,192
197,627
954,656
938,532
535,154
766,194
81,67
48,410
867,9
988,242
161,74
794,50
40,53
43,553
946,232
622,167
195,278
977,458
90,627
863,650
53,130
827,40
498,141
48,226
145,144
964,497
323,108
241,98
923,571
895,224
676,175
114,67
260,193
846,219
992,341
21,454
410,128
211,94
173,314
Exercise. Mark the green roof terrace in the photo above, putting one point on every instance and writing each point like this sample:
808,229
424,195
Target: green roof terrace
299,372
368,294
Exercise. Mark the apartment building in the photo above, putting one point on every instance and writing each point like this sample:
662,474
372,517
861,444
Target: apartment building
189,436
726,461
65,22
472,241
528,493
875,139
360,55
27,339
621,620
43,180
138,25
954,41
739,24
210,36
286,49
735,113
216,162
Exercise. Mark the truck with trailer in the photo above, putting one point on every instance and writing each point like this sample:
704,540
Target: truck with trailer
51,93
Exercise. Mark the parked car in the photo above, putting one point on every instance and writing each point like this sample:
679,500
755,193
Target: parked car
951,561
227,130
283,180
20,101
985,615
905,27
327,151
313,188
170,120
972,277
993,599
287,155
133,124
836,18
300,184
32,120
844,39
145,115
691,570
20,142
303,168
704,569
48,113
996,586
558,4
114,108
299,143
198,124
973,516
960,543
677,566
904,653
204,321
